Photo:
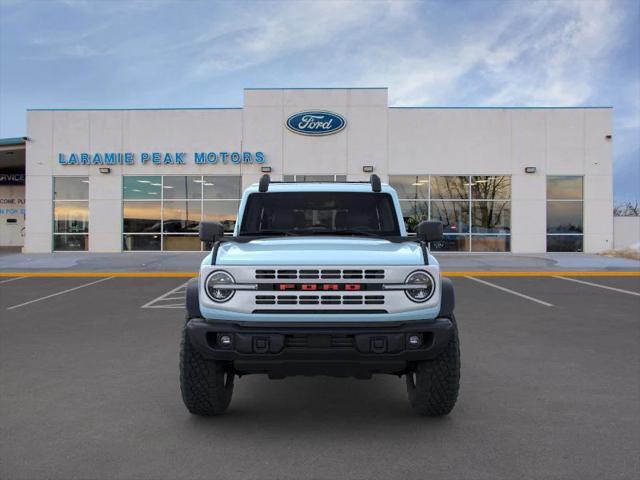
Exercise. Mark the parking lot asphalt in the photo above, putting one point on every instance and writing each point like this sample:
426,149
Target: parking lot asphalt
550,389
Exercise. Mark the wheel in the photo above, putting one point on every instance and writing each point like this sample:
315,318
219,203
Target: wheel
433,385
206,385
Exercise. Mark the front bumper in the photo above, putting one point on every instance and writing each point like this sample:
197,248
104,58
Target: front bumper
343,350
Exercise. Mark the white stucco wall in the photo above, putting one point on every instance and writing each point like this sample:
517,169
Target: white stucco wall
395,141
626,233
505,141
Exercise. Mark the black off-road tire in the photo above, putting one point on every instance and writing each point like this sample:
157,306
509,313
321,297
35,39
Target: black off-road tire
206,385
433,385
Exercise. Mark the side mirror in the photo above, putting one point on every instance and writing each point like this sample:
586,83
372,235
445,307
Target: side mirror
211,231
429,231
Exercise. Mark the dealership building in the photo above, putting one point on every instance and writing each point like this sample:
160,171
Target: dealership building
522,180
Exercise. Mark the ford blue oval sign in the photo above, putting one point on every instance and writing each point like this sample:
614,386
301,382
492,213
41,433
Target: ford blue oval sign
316,123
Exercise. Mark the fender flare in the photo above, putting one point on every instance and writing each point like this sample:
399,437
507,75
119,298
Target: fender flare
192,302
448,299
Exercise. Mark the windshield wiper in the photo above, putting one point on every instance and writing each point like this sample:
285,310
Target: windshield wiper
284,233
350,232
298,233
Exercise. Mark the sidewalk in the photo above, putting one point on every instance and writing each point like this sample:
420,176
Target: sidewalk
189,262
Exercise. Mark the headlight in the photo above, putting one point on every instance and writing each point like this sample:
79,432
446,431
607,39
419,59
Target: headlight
219,295
428,286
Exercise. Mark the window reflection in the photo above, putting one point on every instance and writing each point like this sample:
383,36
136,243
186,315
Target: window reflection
141,217
221,186
313,178
173,206
564,213
491,217
564,243
71,188
181,243
142,187
413,213
451,187
221,211
453,215
491,243
564,188
66,243
70,213
564,217
71,217
181,215
411,186
452,243
182,187
140,242
491,187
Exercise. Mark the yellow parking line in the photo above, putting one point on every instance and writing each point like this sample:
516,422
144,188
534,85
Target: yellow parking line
194,274
101,274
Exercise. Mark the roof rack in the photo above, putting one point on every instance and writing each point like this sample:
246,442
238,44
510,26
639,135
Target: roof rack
265,180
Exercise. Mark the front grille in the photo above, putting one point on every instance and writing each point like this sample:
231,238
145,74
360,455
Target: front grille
319,299
319,274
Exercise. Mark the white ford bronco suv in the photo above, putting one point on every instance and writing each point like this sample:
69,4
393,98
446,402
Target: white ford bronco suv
320,279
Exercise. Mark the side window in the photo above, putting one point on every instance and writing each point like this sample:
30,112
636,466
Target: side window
70,213
565,213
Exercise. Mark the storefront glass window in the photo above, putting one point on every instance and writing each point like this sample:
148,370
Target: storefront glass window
221,187
564,188
187,187
71,217
164,212
564,217
70,213
142,188
565,214
181,216
450,187
141,242
491,243
453,215
491,217
223,211
491,187
71,188
141,217
452,243
467,206
413,213
314,178
564,243
414,187
69,243
181,243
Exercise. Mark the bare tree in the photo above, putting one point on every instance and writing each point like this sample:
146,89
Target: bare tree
628,209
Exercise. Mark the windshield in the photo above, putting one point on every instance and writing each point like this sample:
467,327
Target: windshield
319,213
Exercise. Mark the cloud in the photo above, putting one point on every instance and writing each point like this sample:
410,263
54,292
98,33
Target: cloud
265,34
90,28
538,53
436,53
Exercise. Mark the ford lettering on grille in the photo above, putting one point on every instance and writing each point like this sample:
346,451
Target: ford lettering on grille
350,287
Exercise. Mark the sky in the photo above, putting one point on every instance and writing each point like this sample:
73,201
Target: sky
157,53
